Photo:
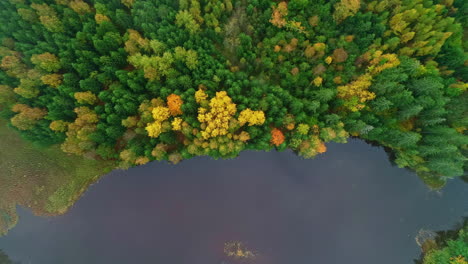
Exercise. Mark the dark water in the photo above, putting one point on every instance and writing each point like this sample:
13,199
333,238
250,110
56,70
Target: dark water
346,206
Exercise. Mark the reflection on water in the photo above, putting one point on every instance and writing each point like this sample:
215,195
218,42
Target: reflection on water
346,206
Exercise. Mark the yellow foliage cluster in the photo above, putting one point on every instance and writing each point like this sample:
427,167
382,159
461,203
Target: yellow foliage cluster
80,7
160,63
48,17
356,93
303,129
13,65
77,141
458,260
317,50
53,80
59,126
243,136
410,24
101,18
27,116
200,94
29,84
135,42
308,148
216,119
86,97
251,117
154,129
46,61
129,122
311,147
390,61
127,3
346,8
318,81
328,60
357,89
177,124
141,160
160,114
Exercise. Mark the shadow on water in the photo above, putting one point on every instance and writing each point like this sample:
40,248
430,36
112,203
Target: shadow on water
349,205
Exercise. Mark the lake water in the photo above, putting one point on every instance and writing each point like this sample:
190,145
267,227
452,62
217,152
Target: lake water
348,205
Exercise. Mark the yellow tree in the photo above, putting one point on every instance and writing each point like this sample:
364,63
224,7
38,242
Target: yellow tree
59,126
48,17
127,3
46,61
215,119
53,80
160,114
251,117
346,8
26,116
86,98
78,132
28,87
80,7
13,65
356,93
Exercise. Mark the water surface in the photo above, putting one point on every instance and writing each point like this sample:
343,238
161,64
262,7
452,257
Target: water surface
348,205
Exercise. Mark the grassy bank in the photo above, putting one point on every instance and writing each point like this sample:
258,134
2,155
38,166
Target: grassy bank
45,180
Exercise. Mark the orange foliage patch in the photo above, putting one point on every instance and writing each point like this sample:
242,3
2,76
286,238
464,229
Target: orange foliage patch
277,17
174,102
321,148
277,137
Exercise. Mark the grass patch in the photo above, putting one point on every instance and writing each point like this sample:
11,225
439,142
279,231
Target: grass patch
47,181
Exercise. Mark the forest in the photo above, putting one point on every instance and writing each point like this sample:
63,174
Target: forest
133,81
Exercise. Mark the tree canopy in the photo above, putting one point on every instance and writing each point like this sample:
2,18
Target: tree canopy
133,81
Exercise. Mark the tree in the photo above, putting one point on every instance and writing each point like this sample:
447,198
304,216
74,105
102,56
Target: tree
277,137
27,117
86,98
46,61
216,117
174,103
251,117
346,8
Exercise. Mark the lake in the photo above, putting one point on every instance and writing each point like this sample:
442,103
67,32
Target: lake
349,205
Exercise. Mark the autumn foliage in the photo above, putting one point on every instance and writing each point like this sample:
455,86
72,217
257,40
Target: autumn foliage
133,81
174,102
216,118
26,116
277,137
